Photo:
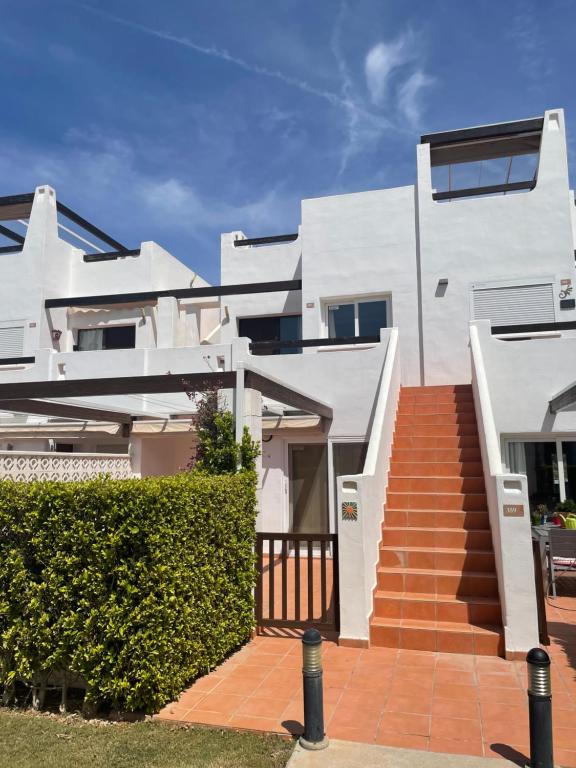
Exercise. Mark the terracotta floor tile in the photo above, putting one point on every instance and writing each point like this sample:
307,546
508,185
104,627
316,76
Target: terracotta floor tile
454,677
353,718
503,696
409,704
208,718
355,699
449,746
408,658
370,681
565,738
337,679
365,735
455,729
224,703
565,757
261,706
464,692
400,722
456,708
245,722
207,683
402,740
509,680
495,711
243,686
505,732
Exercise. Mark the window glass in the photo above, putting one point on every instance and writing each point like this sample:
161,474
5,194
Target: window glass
291,330
341,320
371,317
114,337
279,328
120,337
90,339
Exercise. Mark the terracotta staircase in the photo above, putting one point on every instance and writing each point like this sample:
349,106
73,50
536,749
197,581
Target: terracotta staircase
437,588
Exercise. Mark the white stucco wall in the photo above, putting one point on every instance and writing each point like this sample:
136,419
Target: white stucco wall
488,239
523,376
254,264
361,245
347,380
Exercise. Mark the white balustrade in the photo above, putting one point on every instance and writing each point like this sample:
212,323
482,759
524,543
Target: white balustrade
28,465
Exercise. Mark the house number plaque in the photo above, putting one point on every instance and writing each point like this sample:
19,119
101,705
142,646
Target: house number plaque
513,510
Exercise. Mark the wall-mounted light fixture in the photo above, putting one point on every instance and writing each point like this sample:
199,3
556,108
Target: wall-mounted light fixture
56,334
442,286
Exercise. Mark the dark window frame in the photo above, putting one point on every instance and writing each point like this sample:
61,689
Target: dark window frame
107,331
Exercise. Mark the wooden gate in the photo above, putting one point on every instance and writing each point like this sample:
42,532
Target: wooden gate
297,583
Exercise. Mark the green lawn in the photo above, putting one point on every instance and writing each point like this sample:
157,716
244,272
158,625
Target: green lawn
28,740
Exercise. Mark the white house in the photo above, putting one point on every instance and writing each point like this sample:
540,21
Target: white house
407,358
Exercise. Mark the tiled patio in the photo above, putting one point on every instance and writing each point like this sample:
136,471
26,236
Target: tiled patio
473,705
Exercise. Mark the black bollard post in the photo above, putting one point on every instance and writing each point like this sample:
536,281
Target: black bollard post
540,709
314,736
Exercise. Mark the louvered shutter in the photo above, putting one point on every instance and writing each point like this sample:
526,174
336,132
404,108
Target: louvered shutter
514,304
11,341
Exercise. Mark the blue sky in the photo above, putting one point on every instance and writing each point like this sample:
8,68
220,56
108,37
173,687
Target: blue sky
178,120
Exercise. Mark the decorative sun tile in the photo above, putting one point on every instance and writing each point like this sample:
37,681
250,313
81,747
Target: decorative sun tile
349,510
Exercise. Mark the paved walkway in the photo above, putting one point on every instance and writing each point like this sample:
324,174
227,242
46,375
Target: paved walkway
350,754
438,702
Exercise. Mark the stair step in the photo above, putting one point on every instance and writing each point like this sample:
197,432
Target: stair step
438,518
437,636
436,443
434,407
438,389
445,538
441,582
436,468
435,419
431,558
435,484
429,607
440,501
436,430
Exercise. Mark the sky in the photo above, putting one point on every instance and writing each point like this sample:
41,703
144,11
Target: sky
177,120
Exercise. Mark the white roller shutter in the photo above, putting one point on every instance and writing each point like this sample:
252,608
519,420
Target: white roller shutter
514,304
11,341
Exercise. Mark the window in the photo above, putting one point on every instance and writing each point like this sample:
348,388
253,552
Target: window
282,328
529,301
113,337
364,317
11,340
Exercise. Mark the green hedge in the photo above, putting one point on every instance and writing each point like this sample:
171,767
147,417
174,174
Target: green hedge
136,585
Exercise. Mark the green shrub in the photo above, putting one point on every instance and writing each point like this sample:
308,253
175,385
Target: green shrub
136,585
567,507
217,451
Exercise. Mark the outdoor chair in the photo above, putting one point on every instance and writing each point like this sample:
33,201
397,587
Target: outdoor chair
562,553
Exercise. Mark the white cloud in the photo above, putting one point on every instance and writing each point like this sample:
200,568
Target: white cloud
409,96
363,129
102,178
383,59
224,55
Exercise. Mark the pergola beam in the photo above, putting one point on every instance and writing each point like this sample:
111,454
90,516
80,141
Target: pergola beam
563,400
276,390
123,385
65,411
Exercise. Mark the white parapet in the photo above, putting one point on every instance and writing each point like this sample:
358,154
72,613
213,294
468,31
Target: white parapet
361,501
509,510
20,465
